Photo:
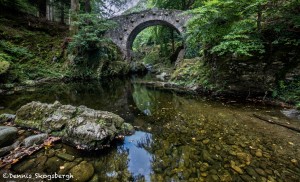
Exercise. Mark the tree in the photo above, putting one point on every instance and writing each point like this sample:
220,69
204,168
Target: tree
245,28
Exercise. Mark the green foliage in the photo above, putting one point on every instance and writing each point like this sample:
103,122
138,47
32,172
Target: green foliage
243,28
16,53
4,63
192,72
19,5
175,4
90,35
145,38
288,91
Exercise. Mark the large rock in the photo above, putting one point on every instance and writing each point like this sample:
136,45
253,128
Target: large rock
82,127
7,135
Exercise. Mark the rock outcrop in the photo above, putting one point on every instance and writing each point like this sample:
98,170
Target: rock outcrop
81,127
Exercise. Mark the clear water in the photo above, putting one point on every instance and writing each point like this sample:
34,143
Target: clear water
179,138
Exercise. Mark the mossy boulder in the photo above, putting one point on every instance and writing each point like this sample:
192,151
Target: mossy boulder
80,126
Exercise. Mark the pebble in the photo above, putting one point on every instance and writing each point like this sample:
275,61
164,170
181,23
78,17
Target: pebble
206,141
213,178
231,152
236,168
204,167
294,161
258,153
204,174
66,156
206,156
260,172
247,178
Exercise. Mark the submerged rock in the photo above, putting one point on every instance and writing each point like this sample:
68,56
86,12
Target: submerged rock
291,113
81,127
35,139
7,135
82,172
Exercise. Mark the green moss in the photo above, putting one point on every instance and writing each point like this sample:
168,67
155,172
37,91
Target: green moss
4,66
32,54
192,72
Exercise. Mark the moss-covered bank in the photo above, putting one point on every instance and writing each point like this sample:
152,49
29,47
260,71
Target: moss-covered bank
276,77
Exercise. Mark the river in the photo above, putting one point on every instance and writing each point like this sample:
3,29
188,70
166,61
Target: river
178,138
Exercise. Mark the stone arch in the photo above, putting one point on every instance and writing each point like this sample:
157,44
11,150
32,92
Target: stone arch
131,37
128,26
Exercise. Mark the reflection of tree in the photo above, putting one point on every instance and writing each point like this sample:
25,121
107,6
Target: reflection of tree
111,95
113,166
144,99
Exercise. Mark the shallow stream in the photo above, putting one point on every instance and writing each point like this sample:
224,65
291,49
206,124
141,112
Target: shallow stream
178,138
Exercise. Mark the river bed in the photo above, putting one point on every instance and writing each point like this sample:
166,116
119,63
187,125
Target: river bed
178,138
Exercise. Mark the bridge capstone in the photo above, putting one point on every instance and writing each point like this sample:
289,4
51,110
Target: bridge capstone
130,25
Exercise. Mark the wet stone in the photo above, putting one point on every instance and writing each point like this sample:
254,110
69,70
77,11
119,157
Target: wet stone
53,164
35,140
50,153
213,171
231,152
41,161
206,141
66,167
82,172
66,156
258,153
261,172
206,156
203,174
95,178
204,167
247,178
251,172
236,168
213,178
7,135
294,161
24,166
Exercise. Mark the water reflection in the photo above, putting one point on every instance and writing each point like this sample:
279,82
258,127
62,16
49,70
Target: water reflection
143,99
139,158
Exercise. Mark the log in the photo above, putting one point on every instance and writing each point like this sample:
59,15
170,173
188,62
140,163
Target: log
21,152
277,123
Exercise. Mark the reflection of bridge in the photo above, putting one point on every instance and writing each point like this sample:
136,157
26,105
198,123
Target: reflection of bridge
129,26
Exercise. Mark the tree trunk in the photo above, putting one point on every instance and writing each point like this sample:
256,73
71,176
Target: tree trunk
87,6
75,7
42,6
62,13
259,17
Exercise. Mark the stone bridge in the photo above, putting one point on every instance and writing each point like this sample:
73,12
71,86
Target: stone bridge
129,26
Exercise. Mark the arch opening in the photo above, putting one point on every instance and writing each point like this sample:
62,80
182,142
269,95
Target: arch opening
143,26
